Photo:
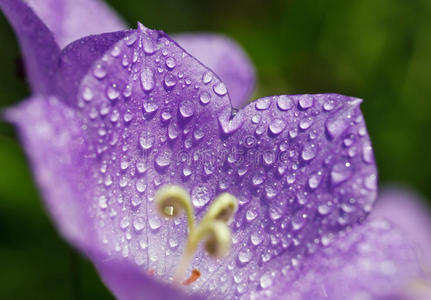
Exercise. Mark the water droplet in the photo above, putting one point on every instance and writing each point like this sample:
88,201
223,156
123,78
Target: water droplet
276,126
146,140
257,179
127,91
99,71
139,224
141,185
147,79
245,255
308,151
163,159
220,89
340,172
336,126
150,107
367,153
198,134
200,196
305,123
305,101
116,51
103,202
251,214
124,223
314,180
204,97
173,131
149,46
265,281
255,119
256,238
141,167
187,109
170,63
87,94
166,115
154,222
170,81
370,182
284,103
207,77
324,209
263,103
112,92
329,105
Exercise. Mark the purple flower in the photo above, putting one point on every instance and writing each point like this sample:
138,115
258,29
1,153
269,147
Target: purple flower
124,130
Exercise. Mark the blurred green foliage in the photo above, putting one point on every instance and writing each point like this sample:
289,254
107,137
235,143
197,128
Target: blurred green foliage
376,50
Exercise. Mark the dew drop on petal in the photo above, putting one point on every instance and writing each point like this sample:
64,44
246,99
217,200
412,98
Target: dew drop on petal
207,77
305,101
147,79
187,109
200,196
170,63
204,97
220,89
284,103
245,255
146,140
276,126
163,159
308,152
139,224
263,103
112,92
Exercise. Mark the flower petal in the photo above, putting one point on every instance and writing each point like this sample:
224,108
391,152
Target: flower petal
53,139
38,46
70,20
150,114
301,166
406,209
78,57
371,261
227,59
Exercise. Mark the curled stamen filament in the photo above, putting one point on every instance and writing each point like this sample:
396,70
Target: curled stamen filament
213,228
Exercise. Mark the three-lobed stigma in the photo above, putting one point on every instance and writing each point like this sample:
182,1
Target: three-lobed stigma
213,229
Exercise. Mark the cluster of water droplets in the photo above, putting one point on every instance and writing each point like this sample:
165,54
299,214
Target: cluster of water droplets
301,166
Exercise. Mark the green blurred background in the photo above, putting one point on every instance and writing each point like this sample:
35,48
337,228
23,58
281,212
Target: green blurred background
376,50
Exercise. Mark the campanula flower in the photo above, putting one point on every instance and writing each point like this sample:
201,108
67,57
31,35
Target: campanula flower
151,164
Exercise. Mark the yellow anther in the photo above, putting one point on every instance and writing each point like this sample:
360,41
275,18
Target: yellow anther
223,208
171,200
213,228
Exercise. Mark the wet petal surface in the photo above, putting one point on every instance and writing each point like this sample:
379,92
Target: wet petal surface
301,166
227,59
371,261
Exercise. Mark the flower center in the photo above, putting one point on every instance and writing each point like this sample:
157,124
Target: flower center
213,229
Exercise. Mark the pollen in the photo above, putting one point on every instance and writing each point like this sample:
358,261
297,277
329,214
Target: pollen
193,277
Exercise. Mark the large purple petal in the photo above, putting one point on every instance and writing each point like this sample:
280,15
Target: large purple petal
406,209
78,57
227,59
52,136
371,261
37,44
70,20
301,166
127,282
